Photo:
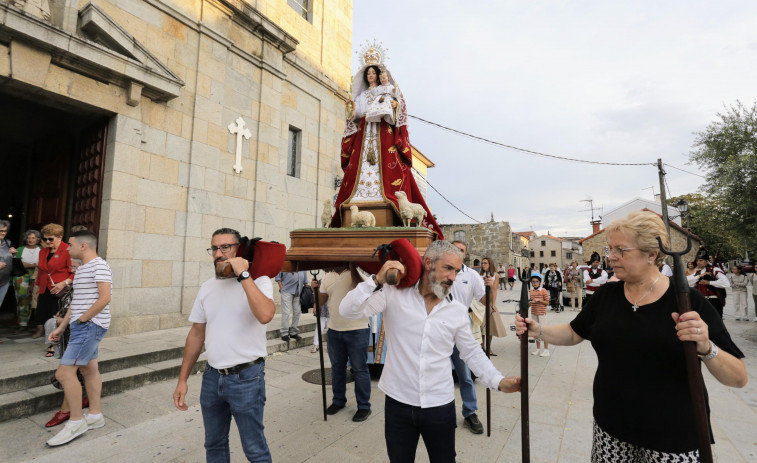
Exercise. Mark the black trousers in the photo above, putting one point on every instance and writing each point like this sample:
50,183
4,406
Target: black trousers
717,304
403,424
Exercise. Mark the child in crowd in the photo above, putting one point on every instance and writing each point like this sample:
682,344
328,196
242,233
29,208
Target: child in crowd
538,301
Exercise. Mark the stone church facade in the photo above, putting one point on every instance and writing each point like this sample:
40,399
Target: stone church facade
155,122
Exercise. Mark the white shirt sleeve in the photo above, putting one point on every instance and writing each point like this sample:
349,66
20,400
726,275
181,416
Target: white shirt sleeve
722,279
473,356
667,271
353,305
602,278
360,105
198,310
479,289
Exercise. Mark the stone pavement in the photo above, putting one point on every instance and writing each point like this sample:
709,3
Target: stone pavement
143,426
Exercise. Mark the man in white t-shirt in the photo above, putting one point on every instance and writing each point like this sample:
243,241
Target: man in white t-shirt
229,317
347,340
89,317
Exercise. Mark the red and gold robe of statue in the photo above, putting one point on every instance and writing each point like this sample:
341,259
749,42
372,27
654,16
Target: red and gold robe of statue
392,149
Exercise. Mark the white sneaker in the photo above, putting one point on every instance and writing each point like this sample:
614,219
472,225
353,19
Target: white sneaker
95,423
69,432
536,352
544,353
738,319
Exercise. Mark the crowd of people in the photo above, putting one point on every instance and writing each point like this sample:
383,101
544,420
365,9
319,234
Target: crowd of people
429,331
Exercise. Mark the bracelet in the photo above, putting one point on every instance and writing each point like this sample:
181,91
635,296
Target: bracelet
711,354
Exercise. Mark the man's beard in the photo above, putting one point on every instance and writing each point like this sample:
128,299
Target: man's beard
222,268
436,286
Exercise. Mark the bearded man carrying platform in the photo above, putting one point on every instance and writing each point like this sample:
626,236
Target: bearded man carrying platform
229,317
423,323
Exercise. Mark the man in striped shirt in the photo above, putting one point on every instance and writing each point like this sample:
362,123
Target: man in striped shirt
89,317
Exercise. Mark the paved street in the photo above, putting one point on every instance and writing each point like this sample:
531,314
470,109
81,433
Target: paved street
143,426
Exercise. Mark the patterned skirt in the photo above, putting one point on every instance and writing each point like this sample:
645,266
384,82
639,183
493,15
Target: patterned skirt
608,449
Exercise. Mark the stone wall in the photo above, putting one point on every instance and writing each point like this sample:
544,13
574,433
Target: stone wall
490,239
168,180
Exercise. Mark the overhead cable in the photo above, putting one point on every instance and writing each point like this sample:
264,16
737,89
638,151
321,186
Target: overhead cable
527,151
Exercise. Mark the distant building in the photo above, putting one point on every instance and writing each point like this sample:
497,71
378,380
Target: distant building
547,249
639,204
597,241
490,239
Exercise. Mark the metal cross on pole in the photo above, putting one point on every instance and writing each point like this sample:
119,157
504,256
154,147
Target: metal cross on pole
240,131
693,366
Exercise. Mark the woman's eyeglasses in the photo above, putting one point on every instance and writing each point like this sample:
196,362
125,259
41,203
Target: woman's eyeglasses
617,252
49,240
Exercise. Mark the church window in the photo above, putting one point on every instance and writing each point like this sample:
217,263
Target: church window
293,152
533,253
543,243
459,235
541,253
303,8
568,255
553,253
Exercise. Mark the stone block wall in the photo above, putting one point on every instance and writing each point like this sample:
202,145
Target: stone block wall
490,239
168,181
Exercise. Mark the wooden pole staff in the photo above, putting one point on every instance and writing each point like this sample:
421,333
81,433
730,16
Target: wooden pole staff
488,355
693,366
316,295
524,418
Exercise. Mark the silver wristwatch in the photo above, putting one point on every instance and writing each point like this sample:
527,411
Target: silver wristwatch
712,353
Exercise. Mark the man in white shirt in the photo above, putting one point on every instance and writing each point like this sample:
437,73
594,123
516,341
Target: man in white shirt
229,317
594,277
423,324
710,280
469,285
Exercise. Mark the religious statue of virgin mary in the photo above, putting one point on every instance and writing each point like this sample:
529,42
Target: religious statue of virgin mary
376,156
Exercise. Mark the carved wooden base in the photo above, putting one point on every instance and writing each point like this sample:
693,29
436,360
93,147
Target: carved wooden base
327,248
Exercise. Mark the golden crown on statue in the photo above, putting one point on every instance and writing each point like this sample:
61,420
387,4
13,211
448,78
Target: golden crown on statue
373,53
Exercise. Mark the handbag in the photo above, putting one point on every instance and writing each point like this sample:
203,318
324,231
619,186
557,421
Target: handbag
18,268
307,300
497,327
60,294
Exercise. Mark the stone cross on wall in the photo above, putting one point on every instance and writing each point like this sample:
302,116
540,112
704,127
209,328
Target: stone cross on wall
240,132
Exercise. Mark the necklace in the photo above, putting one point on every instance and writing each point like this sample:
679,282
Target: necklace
636,305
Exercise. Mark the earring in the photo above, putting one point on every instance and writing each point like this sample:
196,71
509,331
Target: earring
651,262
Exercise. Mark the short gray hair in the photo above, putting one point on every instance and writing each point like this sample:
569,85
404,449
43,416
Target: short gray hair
6,224
438,248
29,233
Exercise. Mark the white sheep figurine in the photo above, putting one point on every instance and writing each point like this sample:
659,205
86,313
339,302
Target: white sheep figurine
361,218
408,210
326,214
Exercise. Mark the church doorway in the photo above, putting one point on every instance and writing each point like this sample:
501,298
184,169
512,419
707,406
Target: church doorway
52,153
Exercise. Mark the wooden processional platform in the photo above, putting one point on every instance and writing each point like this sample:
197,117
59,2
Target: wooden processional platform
326,248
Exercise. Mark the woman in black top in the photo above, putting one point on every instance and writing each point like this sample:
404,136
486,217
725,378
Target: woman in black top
642,407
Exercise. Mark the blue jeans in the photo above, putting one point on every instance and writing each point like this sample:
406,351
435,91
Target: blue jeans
403,424
467,389
242,396
352,345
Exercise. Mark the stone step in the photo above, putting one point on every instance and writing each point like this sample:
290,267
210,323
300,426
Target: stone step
118,353
42,396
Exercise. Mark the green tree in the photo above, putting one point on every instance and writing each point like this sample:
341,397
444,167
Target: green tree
705,218
727,151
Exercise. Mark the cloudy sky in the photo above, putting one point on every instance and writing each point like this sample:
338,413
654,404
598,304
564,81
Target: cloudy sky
606,81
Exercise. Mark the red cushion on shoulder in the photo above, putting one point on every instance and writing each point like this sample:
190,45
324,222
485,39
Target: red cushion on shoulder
265,257
404,252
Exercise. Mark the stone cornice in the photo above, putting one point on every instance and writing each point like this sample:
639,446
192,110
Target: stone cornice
258,23
90,58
